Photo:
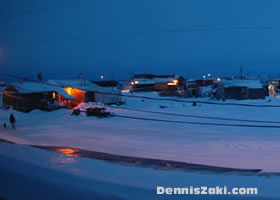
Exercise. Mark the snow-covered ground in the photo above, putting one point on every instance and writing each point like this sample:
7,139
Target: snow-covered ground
1,97
237,147
31,173
57,176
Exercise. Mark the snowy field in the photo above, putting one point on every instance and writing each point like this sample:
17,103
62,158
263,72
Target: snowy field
237,147
222,146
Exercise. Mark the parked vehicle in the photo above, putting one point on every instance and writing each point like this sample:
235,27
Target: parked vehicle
98,112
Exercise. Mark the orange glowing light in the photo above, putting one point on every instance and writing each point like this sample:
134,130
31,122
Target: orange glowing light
77,93
68,90
68,151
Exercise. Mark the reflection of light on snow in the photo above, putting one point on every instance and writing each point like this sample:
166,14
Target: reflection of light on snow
68,156
126,91
63,160
68,151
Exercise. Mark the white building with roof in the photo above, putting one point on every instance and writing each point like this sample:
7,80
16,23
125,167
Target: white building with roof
86,91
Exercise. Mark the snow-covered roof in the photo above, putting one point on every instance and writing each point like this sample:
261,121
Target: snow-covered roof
153,80
37,87
81,85
253,84
198,79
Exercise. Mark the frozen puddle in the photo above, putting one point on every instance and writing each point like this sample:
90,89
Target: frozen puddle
142,162
145,162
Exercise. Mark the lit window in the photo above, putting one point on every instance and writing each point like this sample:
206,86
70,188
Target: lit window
174,82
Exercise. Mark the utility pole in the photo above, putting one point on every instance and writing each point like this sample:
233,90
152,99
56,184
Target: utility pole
241,72
112,80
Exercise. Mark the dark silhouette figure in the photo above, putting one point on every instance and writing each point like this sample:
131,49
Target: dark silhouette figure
5,125
39,76
12,120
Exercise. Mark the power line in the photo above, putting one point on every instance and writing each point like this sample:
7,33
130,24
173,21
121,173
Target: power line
195,123
194,116
203,102
191,123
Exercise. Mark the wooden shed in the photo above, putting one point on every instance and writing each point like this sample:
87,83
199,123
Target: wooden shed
243,89
27,96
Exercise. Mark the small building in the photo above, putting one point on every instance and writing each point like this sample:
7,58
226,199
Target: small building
202,82
107,84
27,96
85,91
242,89
192,90
151,82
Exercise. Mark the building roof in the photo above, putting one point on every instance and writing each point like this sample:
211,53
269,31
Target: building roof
37,87
252,84
2,84
152,81
200,79
82,85
110,83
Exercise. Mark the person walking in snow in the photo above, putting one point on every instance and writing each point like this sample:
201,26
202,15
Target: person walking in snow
12,120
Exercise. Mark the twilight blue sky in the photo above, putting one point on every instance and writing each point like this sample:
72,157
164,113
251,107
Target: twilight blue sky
120,37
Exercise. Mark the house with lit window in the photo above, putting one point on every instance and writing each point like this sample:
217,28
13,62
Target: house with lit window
151,82
85,91
272,86
27,96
